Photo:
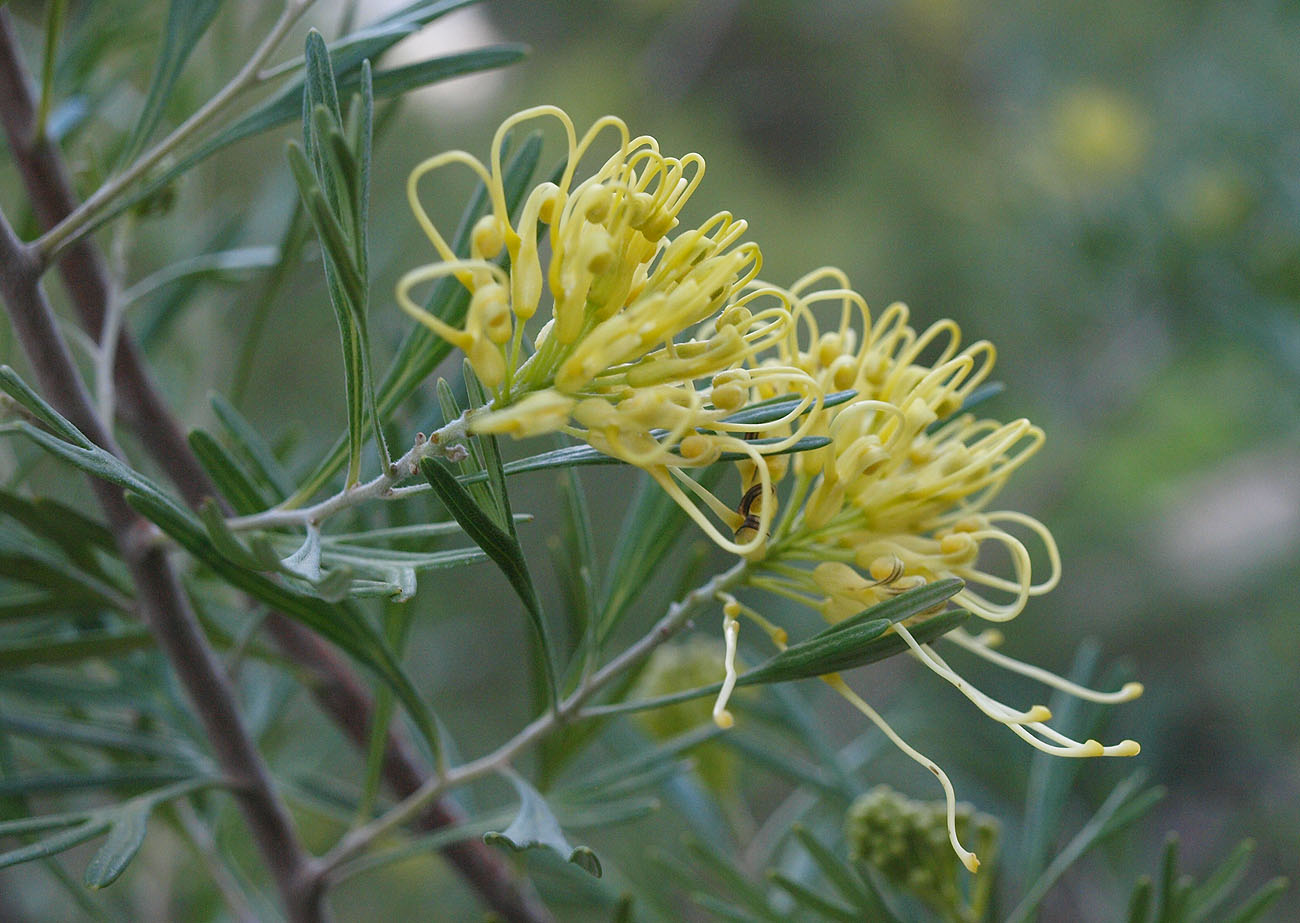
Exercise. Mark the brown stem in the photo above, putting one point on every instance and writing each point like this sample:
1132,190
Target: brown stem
335,686
162,602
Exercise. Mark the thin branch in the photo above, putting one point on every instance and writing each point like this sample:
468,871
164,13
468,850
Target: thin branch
72,226
206,847
569,710
162,602
446,442
114,318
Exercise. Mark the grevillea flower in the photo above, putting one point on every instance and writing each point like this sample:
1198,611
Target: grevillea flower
659,343
900,497
653,329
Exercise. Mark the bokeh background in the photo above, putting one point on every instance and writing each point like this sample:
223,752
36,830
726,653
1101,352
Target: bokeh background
1110,191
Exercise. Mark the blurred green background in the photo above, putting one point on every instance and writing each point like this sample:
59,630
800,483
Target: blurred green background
1109,191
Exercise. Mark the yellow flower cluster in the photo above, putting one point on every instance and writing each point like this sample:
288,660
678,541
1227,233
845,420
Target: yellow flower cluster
899,497
659,343
900,493
652,328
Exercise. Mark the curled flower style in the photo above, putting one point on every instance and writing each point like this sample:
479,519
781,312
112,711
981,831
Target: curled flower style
899,497
653,334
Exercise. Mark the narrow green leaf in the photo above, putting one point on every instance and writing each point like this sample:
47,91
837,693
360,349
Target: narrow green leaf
575,558
347,289
397,626
774,408
808,898
100,734
373,40
170,292
472,472
53,29
363,115
423,12
649,531
265,467
502,547
640,762
125,837
601,814
363,111
1127,792
422,350
535,826
57,782
385,559
187,20
796,719
421,845
72,530
236,484
224,541
339,164
735,885
24,826
721,910
237,262
124,822
1051,778
400,80
51,846
1168,878
491,453
69,444
897,608
845,646
837,872
1260,901
1139,903
1132,810
319,89
760,753
1212,892
88,645
286,105
39,569
865,643
414,531
36,603
18,389
578,455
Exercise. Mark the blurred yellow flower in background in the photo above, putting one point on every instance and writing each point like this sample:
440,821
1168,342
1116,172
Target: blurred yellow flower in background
1101,133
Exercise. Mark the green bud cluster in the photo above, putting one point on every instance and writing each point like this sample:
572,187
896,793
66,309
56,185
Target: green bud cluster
907,841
